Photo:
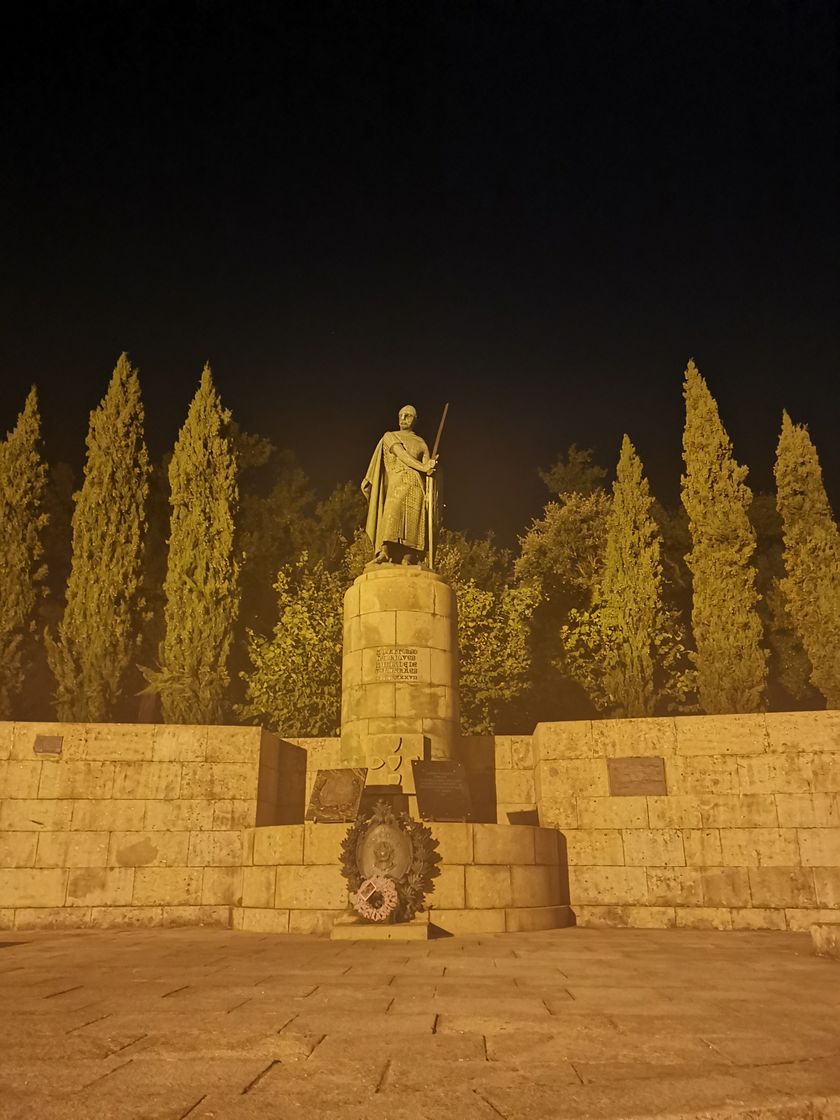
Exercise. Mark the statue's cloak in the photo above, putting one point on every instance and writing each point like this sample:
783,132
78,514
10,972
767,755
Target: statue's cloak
373,488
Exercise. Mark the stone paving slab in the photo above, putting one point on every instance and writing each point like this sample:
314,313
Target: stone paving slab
192,1024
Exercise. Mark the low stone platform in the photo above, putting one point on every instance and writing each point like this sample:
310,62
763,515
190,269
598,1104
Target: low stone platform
190,1024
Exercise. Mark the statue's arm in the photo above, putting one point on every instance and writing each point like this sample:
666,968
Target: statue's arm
424,465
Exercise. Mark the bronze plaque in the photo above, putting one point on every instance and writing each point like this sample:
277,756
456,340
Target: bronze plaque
48,744
442,790
384,849
336,795
396,663
637,777
393,795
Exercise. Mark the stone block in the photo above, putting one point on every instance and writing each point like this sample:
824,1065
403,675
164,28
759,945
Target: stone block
558,741
100,886
72,849
536,885
17,849
522,752
310,888
677,811
819,847
488,887
322,843
221,886
703,917
180,743
183,815
759,847
72,779
32,886
156,781
803,731
721,735
674,886
234,813
281,844
530,919
470,921
23,739
20,779
396,594
443,667
418,700
653,847
775,773
126,917
219,780
546,846
500,843
827,885
380,629
236,745
53,917
618,738
702,774
581,777
262,920
215,849
825,937
608,886
501,750
455,841
516,787
314,923
612,812
351,599
448,890
777,887
702,847
259,885
625,917
442,734
108,816
808,810
600,847
6,733
445,602
167,886
116,742
188,917
757,917
7,918
800,920
725,886
745,810
148,849
825,771
32,816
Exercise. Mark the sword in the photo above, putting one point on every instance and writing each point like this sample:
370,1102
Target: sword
430,491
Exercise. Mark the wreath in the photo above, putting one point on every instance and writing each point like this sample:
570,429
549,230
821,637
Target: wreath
376,899
411,888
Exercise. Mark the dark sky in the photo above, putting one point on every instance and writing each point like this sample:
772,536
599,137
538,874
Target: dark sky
537,211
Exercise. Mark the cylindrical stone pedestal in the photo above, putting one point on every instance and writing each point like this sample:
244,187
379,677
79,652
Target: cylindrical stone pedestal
399,695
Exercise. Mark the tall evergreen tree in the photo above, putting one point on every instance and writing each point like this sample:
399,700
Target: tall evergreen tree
811,585
201,588
22,519
627,650
731,663
99,633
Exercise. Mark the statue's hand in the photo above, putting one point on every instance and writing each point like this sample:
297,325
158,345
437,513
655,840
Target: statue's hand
430,466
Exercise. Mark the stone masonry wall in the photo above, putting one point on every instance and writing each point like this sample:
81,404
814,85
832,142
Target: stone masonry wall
134,824
746,837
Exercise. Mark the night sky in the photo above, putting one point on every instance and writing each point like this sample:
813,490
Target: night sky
537,211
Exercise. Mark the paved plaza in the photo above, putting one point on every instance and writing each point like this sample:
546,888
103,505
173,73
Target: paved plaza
165,1024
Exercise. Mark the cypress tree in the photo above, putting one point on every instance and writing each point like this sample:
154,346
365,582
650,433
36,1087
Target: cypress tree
99,633
22,481
811,585
201,588
731,663
627,650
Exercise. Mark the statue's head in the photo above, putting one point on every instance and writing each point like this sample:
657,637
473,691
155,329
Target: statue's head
408,414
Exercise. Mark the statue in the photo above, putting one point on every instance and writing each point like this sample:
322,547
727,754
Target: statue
397,498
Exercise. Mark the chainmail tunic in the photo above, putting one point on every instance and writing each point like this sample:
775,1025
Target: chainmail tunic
403,518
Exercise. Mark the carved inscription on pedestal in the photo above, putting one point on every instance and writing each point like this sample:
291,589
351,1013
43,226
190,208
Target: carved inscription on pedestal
396,663
637,777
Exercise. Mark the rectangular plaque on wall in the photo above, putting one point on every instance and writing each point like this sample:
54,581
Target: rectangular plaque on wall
48,744
336,795
637,777
396,663
442,790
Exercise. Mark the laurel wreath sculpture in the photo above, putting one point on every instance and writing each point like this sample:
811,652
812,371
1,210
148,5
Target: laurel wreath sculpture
411,888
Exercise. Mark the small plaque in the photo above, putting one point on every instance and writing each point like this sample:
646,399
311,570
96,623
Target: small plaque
336,795
442,790
48,744
396,663
637,777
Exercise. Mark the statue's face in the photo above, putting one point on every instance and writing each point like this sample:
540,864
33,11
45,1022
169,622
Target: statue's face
407,418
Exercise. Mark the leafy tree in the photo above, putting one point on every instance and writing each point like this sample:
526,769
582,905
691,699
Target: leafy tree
576,474
731,663
201,588
811,586
627,649
22,520
99,632
295,684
